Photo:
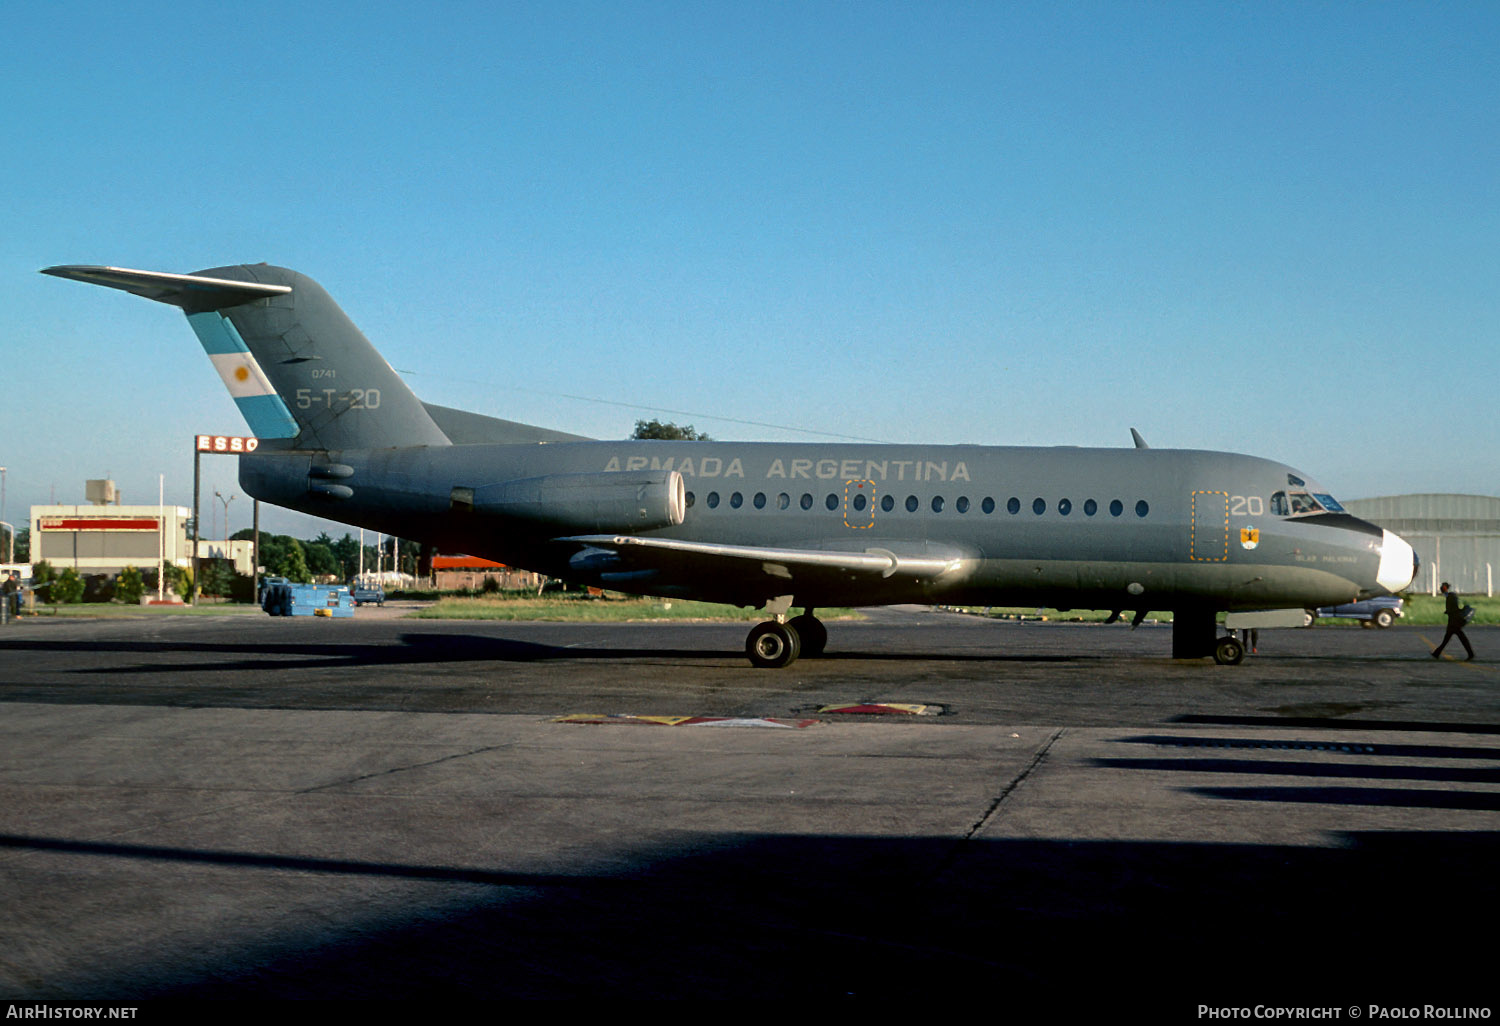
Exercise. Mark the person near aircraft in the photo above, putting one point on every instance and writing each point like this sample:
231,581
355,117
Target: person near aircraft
1456,621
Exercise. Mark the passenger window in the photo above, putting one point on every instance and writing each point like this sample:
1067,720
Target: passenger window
759,500
736,500
1038,506
690,498
887,502
859,501
806,501
1065,506
1090,507
911,504
1116,507
713,500
1013,505
832,502
988,505
962,504
937,503
1141,509
783,501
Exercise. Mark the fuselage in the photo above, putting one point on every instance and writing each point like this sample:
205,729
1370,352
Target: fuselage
763,524
1066,527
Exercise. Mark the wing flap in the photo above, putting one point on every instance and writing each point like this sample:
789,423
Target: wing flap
710,557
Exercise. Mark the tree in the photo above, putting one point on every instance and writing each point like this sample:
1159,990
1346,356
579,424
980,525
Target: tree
293,564
321,561
179,580
346,551
670,432
68,588
216,576
130,586
42,576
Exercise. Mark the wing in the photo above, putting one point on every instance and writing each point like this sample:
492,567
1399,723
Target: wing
751,574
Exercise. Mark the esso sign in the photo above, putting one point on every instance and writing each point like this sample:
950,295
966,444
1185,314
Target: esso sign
227,444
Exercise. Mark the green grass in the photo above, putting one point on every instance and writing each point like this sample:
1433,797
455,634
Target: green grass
118,611
1428,610
584,609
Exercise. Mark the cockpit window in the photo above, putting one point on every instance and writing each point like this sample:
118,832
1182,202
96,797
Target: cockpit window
1297,504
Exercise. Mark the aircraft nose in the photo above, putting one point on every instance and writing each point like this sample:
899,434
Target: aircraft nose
1398,563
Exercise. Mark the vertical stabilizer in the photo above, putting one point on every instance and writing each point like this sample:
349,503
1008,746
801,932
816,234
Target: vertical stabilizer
297,367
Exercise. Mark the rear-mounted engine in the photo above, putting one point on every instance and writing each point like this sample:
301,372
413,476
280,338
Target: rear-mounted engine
605,502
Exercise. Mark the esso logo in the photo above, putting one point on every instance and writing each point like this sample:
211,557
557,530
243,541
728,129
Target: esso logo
227,444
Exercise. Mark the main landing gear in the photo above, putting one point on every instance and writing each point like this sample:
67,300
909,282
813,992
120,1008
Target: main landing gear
777,643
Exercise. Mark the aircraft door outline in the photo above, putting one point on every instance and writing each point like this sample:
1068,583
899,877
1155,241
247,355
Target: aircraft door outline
859,504
1209,539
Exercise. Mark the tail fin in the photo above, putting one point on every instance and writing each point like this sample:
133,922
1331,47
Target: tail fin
295,364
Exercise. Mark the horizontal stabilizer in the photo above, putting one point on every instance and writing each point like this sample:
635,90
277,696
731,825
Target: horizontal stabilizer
191,292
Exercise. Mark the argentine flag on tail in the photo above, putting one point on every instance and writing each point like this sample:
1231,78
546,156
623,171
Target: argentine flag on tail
261,407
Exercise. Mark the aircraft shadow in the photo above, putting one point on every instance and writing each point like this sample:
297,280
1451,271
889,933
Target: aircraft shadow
1338,723
418,648
1357,766
1076,924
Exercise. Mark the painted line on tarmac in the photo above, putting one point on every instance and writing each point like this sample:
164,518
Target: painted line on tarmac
629,720
1445,658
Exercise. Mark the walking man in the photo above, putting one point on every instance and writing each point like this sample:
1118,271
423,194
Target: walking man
1456,622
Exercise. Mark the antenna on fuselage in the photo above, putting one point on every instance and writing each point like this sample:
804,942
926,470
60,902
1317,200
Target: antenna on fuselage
1140,443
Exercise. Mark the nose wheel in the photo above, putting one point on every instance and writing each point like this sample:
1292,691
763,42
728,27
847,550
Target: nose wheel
1228,651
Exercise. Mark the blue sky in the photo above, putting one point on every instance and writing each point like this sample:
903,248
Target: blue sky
1260,227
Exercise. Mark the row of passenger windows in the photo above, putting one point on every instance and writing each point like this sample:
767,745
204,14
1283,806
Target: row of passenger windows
937,504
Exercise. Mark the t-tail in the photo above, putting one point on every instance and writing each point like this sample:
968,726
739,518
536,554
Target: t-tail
301,373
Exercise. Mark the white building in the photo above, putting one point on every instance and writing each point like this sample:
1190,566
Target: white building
106,539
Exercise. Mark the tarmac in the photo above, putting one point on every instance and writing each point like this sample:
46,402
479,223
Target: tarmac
252,808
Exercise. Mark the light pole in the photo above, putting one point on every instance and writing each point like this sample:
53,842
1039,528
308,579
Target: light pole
226,503
10,551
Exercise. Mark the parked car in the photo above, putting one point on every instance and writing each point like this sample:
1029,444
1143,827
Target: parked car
1375,612
366,593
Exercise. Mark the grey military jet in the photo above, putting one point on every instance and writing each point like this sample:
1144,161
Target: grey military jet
768,525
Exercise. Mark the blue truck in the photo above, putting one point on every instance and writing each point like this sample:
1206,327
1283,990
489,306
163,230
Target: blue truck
281,597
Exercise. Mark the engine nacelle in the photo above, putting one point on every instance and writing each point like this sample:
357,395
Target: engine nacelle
593,503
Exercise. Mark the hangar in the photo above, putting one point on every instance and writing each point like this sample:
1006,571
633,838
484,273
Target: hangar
1457,537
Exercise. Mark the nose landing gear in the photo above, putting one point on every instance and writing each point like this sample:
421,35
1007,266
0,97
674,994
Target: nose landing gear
1228,651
